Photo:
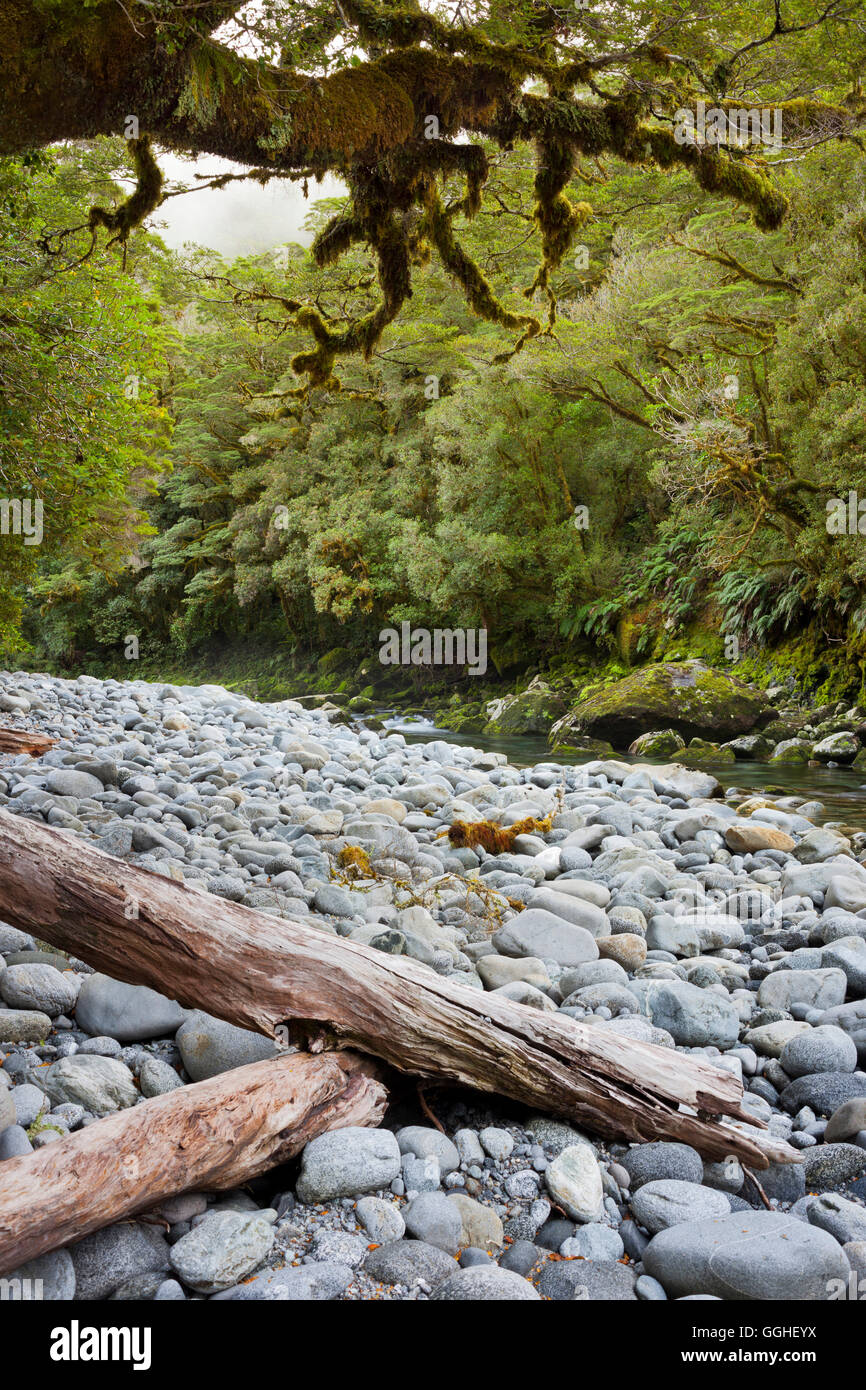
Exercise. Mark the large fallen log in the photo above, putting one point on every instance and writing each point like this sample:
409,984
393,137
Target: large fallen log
266,973
207,1137
23,741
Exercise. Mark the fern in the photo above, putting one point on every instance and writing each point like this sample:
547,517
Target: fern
761,604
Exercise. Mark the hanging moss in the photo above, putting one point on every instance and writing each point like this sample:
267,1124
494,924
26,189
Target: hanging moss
209,70
144,200
556,216
469,275
370,123
342,232
718,173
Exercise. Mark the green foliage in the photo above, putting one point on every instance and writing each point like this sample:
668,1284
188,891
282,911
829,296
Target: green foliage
80,356
440,485
762,605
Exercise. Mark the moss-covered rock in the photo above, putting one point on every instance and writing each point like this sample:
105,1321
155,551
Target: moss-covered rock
635,636
784,727
661,743
751,747
337,659
792,750
579,743
533,711
692,699
700,752
466,721
837,748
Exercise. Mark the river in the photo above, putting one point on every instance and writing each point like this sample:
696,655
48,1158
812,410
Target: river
841,790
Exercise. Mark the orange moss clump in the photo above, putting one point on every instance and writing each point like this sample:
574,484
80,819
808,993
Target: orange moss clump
355,861
495,839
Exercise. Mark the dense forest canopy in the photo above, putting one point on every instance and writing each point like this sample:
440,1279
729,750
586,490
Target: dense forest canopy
578,358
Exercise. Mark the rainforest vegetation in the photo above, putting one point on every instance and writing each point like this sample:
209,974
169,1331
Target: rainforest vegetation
548,368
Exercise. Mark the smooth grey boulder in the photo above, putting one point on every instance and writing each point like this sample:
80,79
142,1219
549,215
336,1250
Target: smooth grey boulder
820,989
667,1202
407,1261
536,932
129,1013
381,1220
571,908
11,939
62,781
347,1161
8,1112
851,1018
667,933
574,1182
101,1084
828,1167
848,954
222,1250
316,1282
846,1121
823,1091
595,972
41,988
485,1284
595,1281
844,1219
29,1102
660,1160
210,1046
822,1049
694,1017
23,1025
157,1078
14,1141
429,1143
433,1218
47,1278
759,1255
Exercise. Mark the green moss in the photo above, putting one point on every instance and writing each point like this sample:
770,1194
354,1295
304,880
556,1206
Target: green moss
577,744
145,198
825,674
691,698
337,659
41,1124
700,752
791,751
533,711
660,743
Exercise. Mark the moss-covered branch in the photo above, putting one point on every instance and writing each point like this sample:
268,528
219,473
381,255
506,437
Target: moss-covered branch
392,127
144,199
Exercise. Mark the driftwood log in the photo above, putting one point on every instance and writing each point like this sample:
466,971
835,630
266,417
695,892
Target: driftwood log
215,1134
23,741
267,973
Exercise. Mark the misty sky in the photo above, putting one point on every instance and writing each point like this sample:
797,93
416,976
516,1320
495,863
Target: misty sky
239,219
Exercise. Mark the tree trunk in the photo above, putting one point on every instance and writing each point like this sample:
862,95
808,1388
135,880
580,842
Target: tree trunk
266,973
23,741
213,1135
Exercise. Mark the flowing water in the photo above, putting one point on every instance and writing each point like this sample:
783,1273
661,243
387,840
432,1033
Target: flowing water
841,790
